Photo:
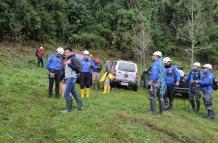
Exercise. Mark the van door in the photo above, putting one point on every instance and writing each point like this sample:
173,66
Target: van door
127,72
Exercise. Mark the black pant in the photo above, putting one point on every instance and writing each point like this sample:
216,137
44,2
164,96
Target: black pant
170,91
57,80
40,61
85,80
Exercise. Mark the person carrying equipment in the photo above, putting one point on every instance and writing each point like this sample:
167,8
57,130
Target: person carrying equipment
107,77
39,54
54,65
85,75
70,77
157,83
206,86
95,75
195,88
172,80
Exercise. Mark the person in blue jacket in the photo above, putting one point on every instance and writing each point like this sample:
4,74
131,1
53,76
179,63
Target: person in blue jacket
85,75
194,88
54,65
96,73
207,89
154,83
172,79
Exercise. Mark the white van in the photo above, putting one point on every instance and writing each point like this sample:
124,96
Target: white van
125,73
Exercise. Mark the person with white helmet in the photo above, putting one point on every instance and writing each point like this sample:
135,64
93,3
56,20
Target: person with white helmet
154,85
206,86
54,64
39,54
172,80
194,88
85,75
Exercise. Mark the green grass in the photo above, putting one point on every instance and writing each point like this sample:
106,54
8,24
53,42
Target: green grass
28,116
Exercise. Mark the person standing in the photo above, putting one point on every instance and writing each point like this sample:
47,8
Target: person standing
85,75
195,88
70,77
54,65
156,82
206,86
39,54
107,87
172,80
97,67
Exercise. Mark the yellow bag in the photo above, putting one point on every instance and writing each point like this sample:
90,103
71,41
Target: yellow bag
111,77
103,77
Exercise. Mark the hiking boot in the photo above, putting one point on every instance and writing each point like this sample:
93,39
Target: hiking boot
153,107
171,104
161,106
210,114
198,106
193,105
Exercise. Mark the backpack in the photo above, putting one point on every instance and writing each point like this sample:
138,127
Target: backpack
198,74
75,65
215,85
36,52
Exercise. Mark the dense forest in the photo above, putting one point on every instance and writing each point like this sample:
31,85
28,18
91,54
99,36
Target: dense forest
128,26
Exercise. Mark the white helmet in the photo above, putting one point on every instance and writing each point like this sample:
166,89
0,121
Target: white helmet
41,48
60,50
86,52
157,53
166,60
197,64
209,66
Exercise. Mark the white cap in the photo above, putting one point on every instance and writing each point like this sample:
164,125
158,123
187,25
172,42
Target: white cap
157,53
197,64
166,60
41,48
86,52
60,50
209,66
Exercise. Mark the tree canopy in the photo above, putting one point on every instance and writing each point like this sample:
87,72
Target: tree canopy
113,24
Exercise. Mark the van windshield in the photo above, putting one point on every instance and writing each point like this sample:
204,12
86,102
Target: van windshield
128,67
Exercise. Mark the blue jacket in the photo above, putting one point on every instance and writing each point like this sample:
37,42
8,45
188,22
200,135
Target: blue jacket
87,66
97,67
194,75
172,75
155,70
207,81
92,66
54,62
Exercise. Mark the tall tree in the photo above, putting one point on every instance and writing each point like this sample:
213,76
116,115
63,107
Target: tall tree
193,28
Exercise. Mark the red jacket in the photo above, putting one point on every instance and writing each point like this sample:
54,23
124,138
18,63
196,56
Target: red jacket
40,53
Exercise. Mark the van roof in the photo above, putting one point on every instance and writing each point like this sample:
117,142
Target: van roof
124,61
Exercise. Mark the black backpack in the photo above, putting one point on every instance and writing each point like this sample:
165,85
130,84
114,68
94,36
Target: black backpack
215,85
75,65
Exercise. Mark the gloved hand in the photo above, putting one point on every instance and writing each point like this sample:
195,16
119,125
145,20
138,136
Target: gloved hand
149,83
52,75
177,83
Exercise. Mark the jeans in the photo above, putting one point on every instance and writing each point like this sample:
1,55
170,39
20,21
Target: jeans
71,88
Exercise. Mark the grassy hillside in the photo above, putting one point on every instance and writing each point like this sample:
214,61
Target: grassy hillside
28,116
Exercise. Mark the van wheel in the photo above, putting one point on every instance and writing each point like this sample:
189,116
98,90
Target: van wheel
135,87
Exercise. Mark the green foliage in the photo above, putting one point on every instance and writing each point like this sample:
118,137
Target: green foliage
107,24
